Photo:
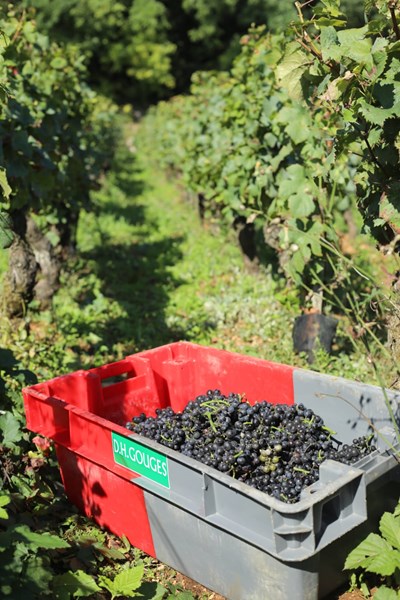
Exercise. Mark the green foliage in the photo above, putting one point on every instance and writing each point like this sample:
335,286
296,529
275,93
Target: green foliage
10,427
52,132
24,560
380,554
141,50
124,583
244,141
125,42
56,139
31,539
76,584
357,74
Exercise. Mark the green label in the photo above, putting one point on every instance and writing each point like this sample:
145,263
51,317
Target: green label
141,460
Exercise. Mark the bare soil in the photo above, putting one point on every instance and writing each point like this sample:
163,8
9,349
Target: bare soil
203,593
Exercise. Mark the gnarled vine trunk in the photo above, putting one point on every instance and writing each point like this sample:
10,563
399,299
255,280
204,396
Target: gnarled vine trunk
34,266
19,281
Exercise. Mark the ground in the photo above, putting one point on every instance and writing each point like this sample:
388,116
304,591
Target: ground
199,591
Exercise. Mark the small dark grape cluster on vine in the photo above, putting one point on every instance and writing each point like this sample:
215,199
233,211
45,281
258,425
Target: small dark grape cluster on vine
275,448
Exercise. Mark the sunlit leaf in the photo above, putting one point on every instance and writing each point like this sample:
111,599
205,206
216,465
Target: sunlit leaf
290,71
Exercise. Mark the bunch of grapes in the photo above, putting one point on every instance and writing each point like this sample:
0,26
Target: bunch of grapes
275,448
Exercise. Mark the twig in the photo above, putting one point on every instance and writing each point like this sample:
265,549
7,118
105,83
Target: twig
373,156
392,9
306,3
370,423
19,27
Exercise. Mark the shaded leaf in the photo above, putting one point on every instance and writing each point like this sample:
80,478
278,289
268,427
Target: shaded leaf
111,553
10,429
22,533
78,584
388,207
37,577
6,233
338,87
185,595
152,590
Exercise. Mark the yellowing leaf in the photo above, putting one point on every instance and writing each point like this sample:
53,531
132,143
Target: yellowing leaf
4,184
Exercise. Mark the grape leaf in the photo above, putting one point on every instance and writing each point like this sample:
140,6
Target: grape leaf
22,533
356,46
333,6
58,63
386,593
296,121
390,528
37,577
10,428
301,206
375,114
125,583
374,554
388,209
330,46
290,71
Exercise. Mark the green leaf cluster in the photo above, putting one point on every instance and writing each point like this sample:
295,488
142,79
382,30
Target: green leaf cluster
248,143
51,124
356,72
143,50
379,553
23,564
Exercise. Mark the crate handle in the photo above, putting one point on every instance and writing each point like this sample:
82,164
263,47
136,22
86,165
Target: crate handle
122,369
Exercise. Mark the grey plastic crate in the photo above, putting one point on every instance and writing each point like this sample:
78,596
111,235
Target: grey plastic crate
226,535
247,543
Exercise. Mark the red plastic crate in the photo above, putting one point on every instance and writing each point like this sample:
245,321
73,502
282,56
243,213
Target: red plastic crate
278,545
